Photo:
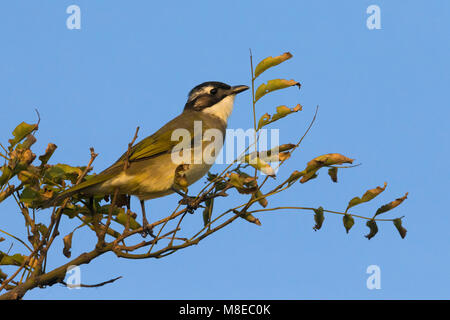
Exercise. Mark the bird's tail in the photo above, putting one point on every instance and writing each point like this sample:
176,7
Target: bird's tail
79,188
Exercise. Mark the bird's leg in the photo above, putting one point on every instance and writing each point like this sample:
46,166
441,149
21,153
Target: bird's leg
145,223
187,200
90,205
128,202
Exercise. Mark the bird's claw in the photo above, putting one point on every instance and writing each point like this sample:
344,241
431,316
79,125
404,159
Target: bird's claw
147,230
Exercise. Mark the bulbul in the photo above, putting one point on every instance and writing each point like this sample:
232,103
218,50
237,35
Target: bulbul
151,166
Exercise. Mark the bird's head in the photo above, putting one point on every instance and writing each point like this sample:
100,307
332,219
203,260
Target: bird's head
213,97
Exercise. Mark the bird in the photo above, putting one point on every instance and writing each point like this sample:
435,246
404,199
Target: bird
151,170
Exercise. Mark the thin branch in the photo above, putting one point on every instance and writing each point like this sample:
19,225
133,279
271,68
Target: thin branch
90,285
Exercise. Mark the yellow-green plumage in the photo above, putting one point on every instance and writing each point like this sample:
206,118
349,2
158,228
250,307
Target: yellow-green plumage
151,170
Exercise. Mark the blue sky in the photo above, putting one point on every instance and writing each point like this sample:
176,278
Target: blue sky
383,97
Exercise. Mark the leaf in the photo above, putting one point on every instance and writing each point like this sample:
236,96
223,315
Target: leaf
249,217
322,161
20,132
262,201
282,111
29,141
14,260
373,229
30,197
29,178
391,205
275,154
273,85
295,176
398,225
257,163
263,121
207,212
332,172
67,245
60,172
368,195
270,62
70,173
318,218
348,222
51,147
242,182
122,218
7,174
6,193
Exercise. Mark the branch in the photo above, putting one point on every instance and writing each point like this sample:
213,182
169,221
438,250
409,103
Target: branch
91,285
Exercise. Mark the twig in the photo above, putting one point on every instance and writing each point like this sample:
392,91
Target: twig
130,145
90,285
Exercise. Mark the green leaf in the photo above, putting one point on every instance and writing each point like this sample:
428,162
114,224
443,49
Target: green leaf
207,212
318,218
368,195
122,218
20,132
348,222
373,229
60,172
400,228
14,260
273,85
70,173
270,62
391,205
30,197
281,112
7,174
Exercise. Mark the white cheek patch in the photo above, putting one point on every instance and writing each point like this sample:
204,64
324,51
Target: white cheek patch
200,92
222,109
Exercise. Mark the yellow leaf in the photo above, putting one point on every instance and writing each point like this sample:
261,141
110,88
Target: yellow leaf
282,111
249,217
368,195
322,161
258,163
391,205
67,245
270,62
273,85
262,201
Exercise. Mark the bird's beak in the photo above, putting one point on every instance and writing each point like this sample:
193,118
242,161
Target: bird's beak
238,89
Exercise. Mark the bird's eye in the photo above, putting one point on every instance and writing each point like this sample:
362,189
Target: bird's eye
213,91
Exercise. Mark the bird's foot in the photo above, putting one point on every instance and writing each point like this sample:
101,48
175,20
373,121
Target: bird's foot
190,202
146,229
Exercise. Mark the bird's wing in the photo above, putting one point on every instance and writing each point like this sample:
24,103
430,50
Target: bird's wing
158,143
161,141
